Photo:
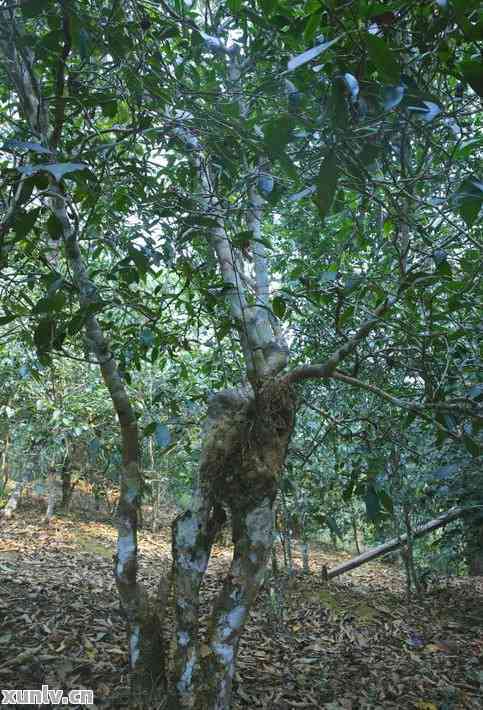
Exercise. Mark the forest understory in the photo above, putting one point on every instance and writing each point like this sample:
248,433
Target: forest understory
356,643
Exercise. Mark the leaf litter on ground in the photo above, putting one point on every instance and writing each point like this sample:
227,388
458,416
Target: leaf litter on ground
357,643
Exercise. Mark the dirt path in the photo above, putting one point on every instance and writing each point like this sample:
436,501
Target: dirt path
356,644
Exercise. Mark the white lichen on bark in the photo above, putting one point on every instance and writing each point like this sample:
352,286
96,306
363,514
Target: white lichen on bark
134,645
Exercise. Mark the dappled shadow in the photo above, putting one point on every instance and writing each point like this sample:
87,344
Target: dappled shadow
356,643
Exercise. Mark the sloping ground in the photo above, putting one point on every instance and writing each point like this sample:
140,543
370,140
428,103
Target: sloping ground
355,644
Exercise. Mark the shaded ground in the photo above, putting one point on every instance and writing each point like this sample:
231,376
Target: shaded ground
357,644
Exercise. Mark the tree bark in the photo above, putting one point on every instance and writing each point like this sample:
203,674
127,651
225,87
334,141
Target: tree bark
355,530
67,485
12,503
51,496
252,535
4,459
245,444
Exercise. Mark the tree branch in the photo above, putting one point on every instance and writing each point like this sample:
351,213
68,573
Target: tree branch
326,370
413,407
60,78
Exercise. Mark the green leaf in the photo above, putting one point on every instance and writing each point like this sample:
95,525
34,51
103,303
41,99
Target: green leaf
279,306
150,429
24,222
224,329
140,260
76,323
310,54
162,435
312,26
26,145
373,506
8,318
468,200
54,227
57,170
347,315
382,57
268,6
109,108
277,134
34,8
472,446
472,71
327,183
44,334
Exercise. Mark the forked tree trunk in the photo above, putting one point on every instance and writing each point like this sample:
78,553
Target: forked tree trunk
243,455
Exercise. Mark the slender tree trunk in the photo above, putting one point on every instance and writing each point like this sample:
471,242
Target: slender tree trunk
67,485
275,567
474,544
146,648
409,550
252,533
304,547
287,537
354,529
51,496
4,460
12,503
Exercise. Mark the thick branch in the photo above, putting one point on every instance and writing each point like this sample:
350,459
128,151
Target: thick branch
263,354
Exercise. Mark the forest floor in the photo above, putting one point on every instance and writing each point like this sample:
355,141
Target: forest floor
356,644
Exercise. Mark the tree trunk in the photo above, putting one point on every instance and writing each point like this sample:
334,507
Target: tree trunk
354,529
286,537
408,553
252,535
245,444
304,547
67,485
474,545
51,496
4,460
13,501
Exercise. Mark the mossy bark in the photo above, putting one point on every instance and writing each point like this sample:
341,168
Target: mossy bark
245,445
